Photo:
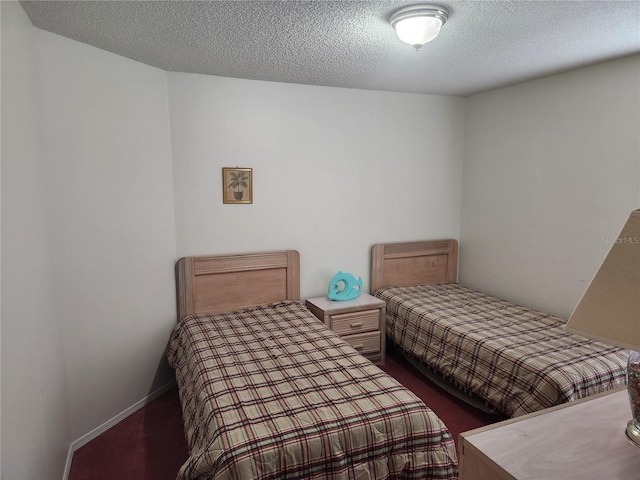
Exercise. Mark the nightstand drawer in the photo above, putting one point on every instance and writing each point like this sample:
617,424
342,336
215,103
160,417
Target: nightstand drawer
359,321
356,322
364,343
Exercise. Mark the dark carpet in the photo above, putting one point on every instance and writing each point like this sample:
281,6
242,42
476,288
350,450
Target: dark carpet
150,443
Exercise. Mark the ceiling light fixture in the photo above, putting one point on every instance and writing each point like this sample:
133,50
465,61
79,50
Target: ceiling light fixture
419,24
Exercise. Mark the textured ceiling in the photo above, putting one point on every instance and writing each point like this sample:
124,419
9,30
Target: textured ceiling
484,44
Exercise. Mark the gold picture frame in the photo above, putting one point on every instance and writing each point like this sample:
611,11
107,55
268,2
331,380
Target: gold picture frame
237,185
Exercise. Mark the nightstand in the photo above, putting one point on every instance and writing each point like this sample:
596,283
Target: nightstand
360,322
583,439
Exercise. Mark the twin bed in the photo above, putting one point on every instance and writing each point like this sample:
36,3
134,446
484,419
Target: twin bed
511,359
268,392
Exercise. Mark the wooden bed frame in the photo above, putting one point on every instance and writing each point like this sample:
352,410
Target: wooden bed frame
407,264
223,283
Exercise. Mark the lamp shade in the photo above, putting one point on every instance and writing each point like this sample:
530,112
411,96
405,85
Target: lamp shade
610,307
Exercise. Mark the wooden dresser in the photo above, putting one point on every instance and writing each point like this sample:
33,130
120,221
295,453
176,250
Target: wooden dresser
582,440
359,321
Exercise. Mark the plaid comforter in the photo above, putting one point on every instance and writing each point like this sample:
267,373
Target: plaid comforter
517,360
270,393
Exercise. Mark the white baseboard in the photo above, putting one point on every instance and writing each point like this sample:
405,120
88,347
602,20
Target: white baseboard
75,445
67,466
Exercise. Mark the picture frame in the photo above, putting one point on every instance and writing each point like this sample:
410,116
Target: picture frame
237,185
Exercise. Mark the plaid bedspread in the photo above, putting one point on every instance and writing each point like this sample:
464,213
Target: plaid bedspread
270,393
517,360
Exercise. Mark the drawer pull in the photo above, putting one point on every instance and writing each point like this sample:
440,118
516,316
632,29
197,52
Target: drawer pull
359,346
355,324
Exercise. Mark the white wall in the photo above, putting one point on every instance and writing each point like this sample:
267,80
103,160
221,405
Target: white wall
551,171
335,170
110,204
35,435
88,245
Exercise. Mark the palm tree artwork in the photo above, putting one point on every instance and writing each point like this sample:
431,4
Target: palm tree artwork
237,185
239,182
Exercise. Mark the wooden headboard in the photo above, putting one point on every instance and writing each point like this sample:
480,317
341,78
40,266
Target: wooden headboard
222,283
413,263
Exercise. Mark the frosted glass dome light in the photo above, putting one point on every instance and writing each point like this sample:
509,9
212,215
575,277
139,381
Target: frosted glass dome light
418,24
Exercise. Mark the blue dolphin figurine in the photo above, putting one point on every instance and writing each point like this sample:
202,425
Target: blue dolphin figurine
344,286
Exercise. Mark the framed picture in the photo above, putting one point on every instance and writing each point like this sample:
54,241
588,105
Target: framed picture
237,185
